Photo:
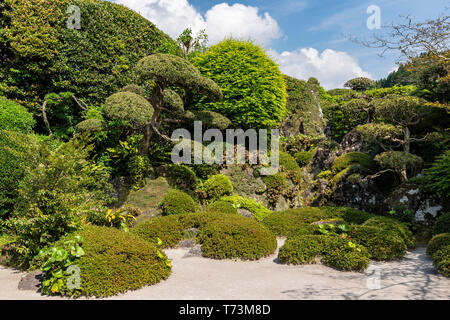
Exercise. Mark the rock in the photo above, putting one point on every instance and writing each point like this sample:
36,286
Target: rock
190,243
245,213
196,251
31,281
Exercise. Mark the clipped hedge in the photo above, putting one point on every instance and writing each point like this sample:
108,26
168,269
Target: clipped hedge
390,224
116,262
442,224
168,229
218,186
334,251
258,210
441,260
222,206
177,202
236,237
437,242
349,215
14,117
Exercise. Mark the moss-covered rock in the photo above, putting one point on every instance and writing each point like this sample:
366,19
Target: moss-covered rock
344,161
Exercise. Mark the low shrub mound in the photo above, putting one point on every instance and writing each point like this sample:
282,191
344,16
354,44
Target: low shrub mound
334,251
441,260
258,210
437,242
236,237
116,262
14,117
350,158
218,186
349,215
288,163
177,202
395,226
199,219
222,206
168,229
442,224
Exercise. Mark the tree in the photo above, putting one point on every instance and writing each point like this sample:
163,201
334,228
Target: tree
190,45
253,87
398,162
360,84
144,109
356,106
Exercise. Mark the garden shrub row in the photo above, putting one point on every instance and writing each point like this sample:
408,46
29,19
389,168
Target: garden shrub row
439,250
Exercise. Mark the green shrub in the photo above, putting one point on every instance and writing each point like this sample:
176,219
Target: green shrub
276,181
258,210
288,163
218,186
16,153
395,226
442,224
14,117
382,244
437,178
441,260
236,237
43,55
304,157
350,158
360,84
253,87
335,252
198,219
179,176
350,215
116,262
177,202
169,229
437,242
222,206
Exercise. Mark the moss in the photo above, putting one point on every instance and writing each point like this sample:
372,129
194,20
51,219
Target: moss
442,224
441,260
218,186
276,181
236,237
325,174
258,210
288,163
304,157
437,242
169,229
222,206
350,158
177,202
116,262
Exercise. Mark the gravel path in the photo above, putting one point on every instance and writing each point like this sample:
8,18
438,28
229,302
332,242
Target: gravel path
201,279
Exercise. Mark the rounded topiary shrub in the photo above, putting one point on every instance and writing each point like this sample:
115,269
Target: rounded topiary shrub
334,251
116,262
218,186
14,117
349,215
254,90
442,224
395,226
236,237
382,244
437,242
168,229
177,202
347,159
222,206
258,210
441,260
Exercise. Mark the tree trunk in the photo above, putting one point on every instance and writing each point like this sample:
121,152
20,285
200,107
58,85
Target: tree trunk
157,103
403,175
407,139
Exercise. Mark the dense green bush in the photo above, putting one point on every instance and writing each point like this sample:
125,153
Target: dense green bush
275,181
42,55
222,206
288,163
253,87
360,84
16,153
437,242
349,215
335,252
14,117
350,158
442,224
116,262
60,189
258,210
441,260
169,229
218,186
177,202
236,237
304,157
437,178
284,222
395,226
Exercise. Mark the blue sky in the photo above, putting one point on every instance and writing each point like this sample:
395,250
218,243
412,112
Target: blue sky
306,37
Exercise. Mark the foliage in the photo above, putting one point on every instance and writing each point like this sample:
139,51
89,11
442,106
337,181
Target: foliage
253,86
42,55
399,162
16,153
14,117
222,206
395,90
236,237
288,163
212,120
134,109
191,45
57,193
218,186
437,178
442,224
304,157
177,202
393,225
116,262
441,260
276,181
360,84
57,261
180,176
120,218
169,229
437,242
350,158
258,210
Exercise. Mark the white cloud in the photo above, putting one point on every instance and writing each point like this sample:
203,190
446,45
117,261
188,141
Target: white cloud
221,21
331,68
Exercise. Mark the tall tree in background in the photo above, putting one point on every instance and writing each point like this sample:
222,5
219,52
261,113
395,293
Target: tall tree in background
190,44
